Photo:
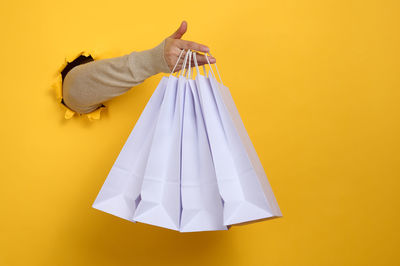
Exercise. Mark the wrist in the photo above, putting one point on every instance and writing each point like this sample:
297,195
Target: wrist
144,64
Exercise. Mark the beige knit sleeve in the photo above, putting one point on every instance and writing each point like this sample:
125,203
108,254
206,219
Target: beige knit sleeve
88,85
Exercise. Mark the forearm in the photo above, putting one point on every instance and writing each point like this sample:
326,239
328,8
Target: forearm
87,86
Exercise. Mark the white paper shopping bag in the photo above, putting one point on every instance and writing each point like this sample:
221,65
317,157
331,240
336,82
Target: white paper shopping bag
120,192
202,208
242,182
160,193
189,164
160,202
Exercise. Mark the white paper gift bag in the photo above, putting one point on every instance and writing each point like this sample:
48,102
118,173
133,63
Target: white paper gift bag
188,164
120,192
202,206
242,182
160,194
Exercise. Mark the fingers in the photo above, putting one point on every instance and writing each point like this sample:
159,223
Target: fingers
201,60
180,31
183,44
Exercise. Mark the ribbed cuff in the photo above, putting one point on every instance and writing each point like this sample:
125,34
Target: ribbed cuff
147,63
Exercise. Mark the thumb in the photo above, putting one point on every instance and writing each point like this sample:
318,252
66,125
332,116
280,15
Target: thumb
180,31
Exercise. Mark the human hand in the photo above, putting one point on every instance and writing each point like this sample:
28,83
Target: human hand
174,44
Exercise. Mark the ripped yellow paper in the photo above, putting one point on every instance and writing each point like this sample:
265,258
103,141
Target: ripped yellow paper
57,85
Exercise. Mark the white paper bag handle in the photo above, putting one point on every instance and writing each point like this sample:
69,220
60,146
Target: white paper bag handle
184,64
189,73
176,62
180,72
204,69
197,65
190,61
215,68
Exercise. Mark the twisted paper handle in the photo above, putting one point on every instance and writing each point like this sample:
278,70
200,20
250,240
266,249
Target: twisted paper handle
188,73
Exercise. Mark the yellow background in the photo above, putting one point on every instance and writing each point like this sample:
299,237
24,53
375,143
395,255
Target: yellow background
316,83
